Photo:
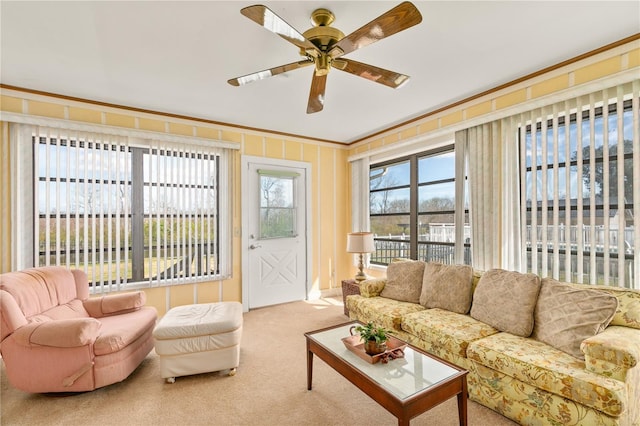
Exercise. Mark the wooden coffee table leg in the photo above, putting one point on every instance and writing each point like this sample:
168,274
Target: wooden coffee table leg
462,403
309,368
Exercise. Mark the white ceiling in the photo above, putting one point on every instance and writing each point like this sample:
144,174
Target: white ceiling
176,57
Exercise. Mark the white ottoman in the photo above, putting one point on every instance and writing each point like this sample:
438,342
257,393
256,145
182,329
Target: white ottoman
193,339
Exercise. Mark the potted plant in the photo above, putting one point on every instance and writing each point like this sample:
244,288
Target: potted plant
374,338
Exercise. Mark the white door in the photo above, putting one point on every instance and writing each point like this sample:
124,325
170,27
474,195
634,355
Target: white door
274,235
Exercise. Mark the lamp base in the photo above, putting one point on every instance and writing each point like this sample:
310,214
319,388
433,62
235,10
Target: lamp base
360,276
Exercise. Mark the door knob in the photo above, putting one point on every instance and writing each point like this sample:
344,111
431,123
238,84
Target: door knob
254,246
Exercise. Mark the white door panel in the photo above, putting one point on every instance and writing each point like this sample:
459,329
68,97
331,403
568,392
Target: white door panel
275,246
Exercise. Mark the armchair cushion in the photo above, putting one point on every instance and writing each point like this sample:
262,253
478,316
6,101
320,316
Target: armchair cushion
37,290
117,332
66,333
73,309
12,317
113,304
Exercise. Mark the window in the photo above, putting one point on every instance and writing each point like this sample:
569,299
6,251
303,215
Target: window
128,213
579,193
412,208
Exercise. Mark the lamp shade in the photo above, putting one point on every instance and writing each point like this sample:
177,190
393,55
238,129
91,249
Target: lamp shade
360,242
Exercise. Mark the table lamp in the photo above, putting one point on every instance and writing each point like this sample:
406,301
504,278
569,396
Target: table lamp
360,242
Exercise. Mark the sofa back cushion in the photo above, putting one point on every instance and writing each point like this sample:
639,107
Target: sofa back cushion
447,287
404,281
34,292
102,306
506,300
11,317
566,315
37,290
73,309
628,312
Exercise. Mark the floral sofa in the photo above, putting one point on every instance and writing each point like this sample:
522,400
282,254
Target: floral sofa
538,351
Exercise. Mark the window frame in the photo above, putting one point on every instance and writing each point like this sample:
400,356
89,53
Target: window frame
414,244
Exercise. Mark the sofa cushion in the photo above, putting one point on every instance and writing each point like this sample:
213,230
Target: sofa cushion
614,353
73,309
527,404
506,300
565,315
440,328
372,287
115,304
628,312
447,287
117,333
550,369
63,333
404,281
384,312
39,289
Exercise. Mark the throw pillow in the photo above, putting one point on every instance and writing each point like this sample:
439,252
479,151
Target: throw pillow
565,316
506,300
447,287
404,281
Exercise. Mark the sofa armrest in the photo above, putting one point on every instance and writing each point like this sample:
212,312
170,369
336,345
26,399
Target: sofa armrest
372,287
65,333
114,304
613,352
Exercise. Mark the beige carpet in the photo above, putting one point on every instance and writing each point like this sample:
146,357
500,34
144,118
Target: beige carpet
269,389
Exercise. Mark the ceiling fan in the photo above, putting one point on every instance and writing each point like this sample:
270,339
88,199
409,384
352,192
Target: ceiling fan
325,46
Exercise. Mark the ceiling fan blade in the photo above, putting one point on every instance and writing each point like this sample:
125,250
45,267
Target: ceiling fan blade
261,75
379,75
265,17
401,17
316,95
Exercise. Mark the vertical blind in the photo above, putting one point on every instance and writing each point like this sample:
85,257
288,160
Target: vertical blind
130,213
580,187
81,196
184,206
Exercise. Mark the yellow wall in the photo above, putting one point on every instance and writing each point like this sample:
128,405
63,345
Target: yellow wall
329,198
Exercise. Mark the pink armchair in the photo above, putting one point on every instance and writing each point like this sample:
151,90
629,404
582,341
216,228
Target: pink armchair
54,338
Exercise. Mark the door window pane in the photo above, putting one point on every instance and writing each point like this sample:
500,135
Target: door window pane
277,207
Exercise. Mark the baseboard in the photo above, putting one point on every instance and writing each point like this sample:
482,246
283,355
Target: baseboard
331,292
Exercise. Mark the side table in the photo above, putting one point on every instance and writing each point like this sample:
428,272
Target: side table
349,287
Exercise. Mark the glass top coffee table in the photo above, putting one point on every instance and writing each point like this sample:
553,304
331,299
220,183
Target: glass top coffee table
406,387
